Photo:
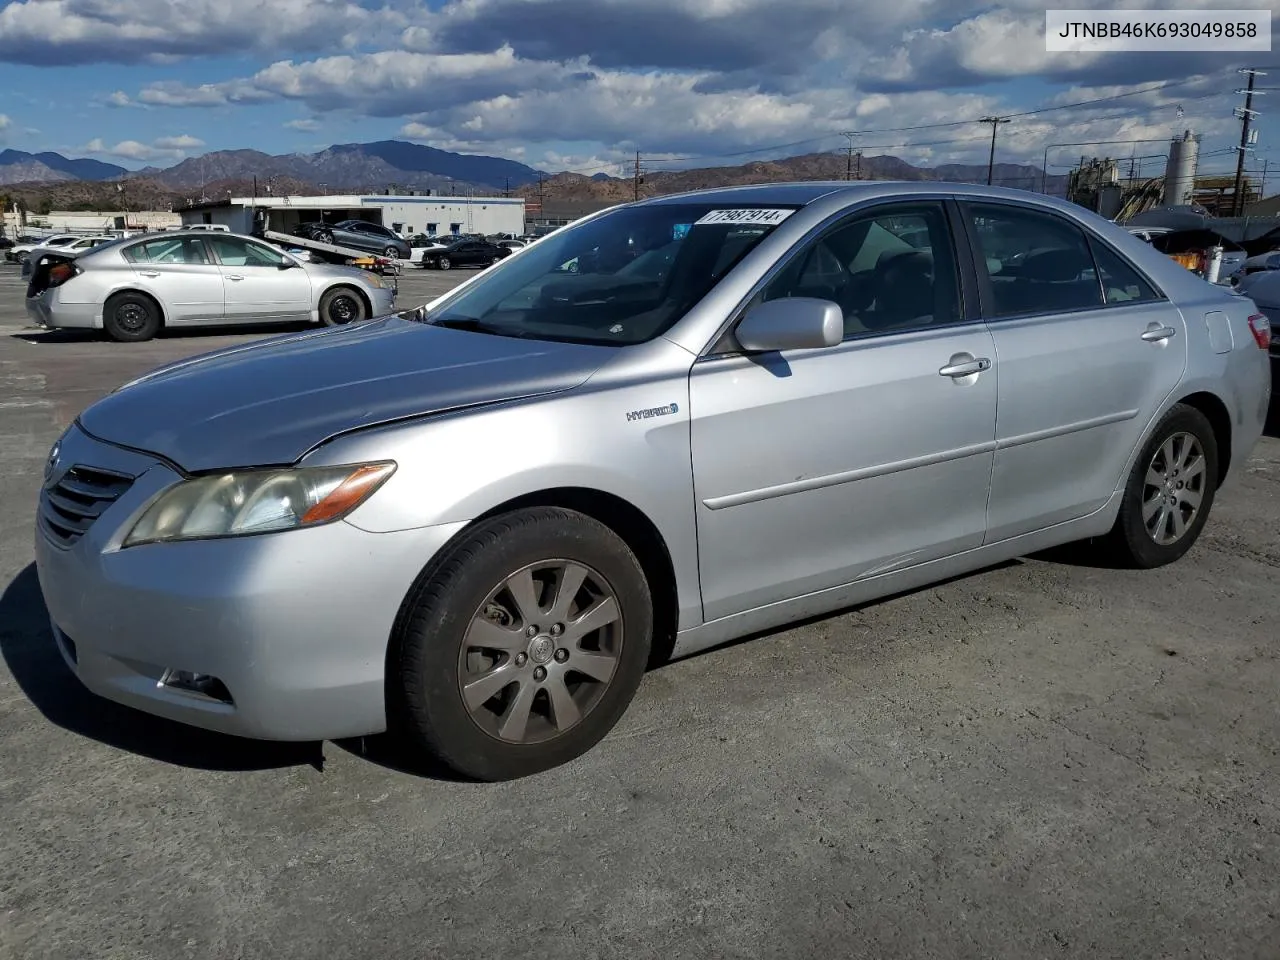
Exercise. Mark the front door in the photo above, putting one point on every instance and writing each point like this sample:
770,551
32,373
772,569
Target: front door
815,468
1088,353
260,283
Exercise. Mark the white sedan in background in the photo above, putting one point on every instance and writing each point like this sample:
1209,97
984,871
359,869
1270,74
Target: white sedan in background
18,254
73,249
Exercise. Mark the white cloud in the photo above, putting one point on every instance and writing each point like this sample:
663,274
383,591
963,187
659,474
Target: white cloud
5,122
678,77
163,148
182,142
46,32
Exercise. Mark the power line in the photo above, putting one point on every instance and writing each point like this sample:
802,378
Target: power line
952,123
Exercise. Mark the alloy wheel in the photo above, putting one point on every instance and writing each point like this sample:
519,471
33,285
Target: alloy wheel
540,651
1174,488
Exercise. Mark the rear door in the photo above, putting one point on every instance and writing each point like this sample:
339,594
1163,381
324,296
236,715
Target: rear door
260,283
179,273
1088,350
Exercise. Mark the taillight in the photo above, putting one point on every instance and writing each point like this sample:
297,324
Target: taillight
60,273
1260,327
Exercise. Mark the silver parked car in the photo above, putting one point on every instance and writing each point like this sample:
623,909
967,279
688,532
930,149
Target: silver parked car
132,289
477,524
1263,288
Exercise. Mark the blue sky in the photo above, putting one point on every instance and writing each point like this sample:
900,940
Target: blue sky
582,84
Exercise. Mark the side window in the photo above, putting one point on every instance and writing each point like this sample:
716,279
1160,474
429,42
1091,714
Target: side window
234,252
1120,282
1035,262
171,250
890,269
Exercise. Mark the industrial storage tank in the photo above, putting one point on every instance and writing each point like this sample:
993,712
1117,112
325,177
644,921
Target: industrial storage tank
1180,174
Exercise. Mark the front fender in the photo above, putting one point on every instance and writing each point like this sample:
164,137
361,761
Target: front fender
458,467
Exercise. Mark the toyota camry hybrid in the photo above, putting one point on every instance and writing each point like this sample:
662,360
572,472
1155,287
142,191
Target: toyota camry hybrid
477,523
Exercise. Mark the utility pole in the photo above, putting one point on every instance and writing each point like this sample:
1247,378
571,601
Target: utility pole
506,190
995,125
1246,120
638,179
848,160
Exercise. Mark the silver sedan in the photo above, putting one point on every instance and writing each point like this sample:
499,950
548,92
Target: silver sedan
665,426
133,288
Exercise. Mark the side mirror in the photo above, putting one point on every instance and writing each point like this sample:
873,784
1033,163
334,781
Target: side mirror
792,323
286,264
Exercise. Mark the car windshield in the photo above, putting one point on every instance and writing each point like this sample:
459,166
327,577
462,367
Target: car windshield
621,278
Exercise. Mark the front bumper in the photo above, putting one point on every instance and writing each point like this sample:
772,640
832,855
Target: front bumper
293,625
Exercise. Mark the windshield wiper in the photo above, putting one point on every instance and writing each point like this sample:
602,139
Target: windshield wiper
473,325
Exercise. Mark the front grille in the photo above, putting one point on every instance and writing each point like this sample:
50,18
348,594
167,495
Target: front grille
69,507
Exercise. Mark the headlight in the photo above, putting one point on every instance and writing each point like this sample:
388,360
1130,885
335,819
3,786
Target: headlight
257,501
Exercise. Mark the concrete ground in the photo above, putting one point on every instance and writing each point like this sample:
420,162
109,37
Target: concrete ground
1041,760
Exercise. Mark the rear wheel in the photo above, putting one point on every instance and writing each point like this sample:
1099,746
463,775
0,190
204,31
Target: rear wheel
131,318
1169,493
526,645
341,306
392,253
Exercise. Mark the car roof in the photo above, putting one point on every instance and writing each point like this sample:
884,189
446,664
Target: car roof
807,192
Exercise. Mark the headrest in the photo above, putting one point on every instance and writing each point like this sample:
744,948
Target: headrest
919,261
1055,265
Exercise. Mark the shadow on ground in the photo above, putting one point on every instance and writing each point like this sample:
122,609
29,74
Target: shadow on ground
38,335
29,652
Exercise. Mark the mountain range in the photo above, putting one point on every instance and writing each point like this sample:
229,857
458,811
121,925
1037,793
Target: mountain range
17,166
50,179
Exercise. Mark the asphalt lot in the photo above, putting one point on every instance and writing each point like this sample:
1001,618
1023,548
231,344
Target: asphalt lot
1041,760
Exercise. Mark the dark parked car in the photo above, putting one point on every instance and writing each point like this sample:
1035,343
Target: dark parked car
465,253
358,234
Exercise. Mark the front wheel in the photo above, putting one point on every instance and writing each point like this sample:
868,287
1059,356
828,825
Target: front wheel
341,306
444,263
525,645
1169,493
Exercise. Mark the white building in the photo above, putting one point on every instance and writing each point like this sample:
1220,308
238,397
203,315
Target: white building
406,215
87,221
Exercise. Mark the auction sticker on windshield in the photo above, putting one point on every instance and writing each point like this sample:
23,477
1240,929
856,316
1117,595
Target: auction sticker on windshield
745,216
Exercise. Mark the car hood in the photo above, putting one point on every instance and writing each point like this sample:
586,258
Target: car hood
270,402
315,269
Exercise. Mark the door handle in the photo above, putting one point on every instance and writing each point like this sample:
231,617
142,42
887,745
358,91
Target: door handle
233,276
1154,334
149,273
965,368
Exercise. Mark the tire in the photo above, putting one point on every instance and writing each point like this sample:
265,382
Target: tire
444,263
392,252
342,305
436,650
131,318
1157,524
324,236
